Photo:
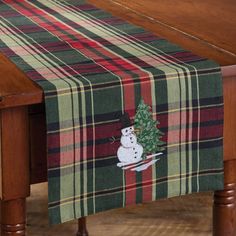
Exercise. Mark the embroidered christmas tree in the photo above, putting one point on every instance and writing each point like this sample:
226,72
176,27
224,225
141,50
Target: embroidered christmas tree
148,135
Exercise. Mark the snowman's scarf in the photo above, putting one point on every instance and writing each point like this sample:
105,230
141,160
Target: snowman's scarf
93,67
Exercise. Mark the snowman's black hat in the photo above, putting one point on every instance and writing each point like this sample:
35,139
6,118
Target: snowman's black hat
125,121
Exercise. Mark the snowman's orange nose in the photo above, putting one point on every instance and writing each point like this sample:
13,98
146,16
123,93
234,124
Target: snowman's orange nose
136,130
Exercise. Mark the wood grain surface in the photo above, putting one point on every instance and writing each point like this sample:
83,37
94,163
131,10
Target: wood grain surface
205,27
15,153
15,87
213,21
229,118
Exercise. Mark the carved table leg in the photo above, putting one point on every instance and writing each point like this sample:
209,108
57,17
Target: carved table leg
224,210
13,215
82,231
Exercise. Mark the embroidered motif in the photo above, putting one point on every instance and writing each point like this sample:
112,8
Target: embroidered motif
149,136
140,142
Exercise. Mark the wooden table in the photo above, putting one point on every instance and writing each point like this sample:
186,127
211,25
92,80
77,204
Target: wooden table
207,28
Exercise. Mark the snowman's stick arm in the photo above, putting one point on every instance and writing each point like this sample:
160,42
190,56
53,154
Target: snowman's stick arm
113,139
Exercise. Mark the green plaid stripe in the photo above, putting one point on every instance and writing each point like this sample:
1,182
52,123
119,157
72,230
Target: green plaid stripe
93,68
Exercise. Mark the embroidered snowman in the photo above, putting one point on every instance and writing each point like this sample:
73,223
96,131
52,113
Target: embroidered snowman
130,151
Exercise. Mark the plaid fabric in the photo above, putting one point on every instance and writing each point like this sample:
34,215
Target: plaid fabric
93,67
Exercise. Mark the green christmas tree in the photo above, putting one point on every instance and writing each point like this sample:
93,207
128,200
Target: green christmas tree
148,135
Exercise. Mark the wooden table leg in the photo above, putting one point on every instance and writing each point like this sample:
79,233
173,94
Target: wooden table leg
224,209
82,230
13,215
14,170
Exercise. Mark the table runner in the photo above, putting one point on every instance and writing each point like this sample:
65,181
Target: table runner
131,117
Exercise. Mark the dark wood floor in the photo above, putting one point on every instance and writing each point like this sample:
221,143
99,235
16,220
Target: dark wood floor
182,216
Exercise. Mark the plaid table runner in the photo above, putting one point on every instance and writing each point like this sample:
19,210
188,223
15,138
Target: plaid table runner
131,117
